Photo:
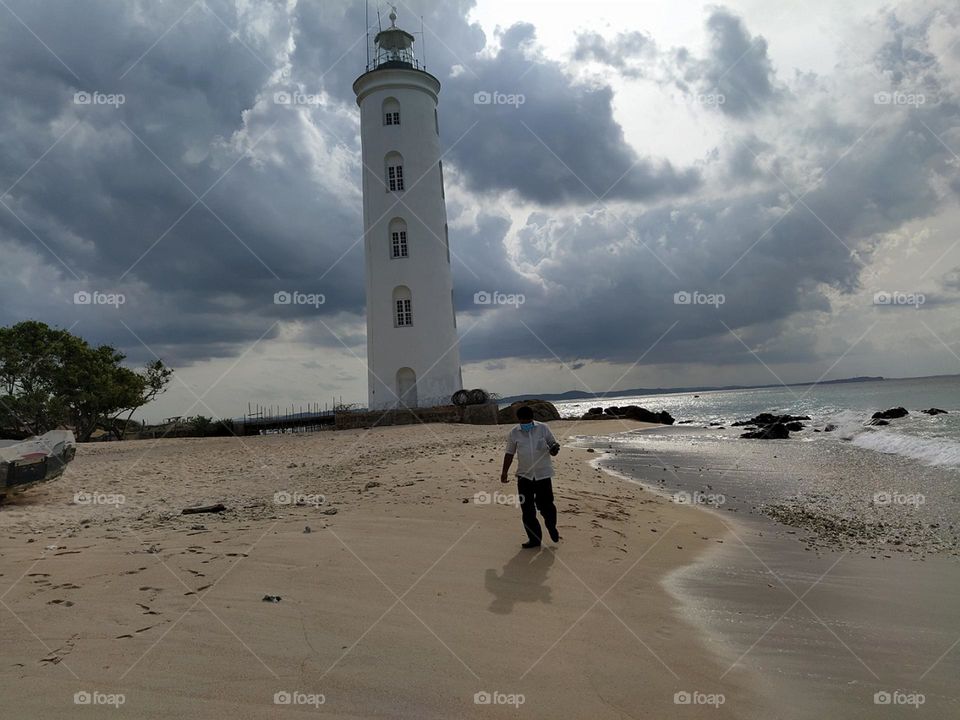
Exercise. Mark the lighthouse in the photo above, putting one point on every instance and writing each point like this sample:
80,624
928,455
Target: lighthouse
413,357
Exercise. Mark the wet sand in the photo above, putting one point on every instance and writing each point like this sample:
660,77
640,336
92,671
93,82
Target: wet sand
832,619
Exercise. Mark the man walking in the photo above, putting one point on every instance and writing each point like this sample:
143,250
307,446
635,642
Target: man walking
533,444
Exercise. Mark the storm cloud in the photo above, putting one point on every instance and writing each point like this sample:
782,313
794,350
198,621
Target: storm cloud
230,170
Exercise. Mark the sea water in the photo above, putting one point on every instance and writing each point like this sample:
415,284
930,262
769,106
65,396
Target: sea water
928,440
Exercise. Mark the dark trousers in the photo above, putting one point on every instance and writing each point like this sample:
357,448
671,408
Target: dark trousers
536,495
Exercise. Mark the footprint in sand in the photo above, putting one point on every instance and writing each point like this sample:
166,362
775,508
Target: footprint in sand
65,603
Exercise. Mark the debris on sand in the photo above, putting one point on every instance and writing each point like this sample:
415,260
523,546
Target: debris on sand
218,508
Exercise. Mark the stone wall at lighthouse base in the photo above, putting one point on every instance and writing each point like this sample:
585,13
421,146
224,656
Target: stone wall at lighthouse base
470,414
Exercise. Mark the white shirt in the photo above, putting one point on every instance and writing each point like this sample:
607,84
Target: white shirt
532,448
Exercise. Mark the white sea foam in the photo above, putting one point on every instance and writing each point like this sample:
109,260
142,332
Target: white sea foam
929,451
849,423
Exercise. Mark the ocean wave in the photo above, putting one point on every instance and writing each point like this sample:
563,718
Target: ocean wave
929,451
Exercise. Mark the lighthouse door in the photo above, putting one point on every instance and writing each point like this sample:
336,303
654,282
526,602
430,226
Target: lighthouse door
407,387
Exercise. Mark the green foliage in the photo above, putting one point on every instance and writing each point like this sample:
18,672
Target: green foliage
49,377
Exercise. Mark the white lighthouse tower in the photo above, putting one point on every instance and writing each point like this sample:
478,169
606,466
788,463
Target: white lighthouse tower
413,358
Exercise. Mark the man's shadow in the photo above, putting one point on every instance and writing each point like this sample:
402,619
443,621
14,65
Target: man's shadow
521,580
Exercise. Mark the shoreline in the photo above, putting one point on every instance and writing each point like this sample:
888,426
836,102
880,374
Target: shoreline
827,629
406,597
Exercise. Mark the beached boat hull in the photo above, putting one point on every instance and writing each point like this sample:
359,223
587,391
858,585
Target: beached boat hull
35,460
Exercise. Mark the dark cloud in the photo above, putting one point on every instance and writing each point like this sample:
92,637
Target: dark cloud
619,53
737,67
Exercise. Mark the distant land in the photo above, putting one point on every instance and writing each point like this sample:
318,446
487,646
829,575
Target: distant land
583,395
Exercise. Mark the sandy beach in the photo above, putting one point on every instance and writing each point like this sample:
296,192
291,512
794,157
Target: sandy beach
403,593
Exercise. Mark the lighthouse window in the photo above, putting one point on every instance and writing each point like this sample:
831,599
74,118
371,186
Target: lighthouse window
391,111
442,193
398,238
395,178
436,121
404,313
399,242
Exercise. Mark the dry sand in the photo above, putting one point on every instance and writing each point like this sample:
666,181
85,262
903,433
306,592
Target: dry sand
406,598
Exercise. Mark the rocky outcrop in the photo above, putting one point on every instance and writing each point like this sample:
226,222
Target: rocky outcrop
776,431
934,411
770,419
771,427
891,414
629,412
543,411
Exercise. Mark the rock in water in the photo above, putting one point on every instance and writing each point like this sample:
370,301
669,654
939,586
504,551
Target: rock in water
891,414
777,431
934,411
630,412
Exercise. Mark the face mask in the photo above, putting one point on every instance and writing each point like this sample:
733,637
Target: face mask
526,426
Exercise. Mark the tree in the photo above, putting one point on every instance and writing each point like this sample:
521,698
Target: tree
51,377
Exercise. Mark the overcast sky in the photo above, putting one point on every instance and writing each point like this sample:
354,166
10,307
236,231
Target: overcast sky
791,160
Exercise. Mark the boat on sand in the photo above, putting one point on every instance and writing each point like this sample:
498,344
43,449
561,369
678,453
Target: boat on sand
37,459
